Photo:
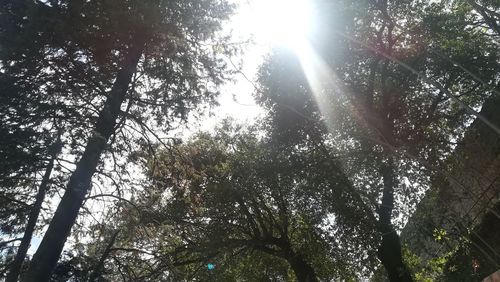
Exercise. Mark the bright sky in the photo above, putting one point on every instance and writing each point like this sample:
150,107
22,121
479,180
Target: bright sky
270,24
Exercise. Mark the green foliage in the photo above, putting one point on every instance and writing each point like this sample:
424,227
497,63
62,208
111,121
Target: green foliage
425,271
300,192
60,61
231,198
380,111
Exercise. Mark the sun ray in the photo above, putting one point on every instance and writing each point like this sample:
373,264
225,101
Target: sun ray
321,79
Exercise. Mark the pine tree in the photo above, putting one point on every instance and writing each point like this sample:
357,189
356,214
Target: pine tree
102,54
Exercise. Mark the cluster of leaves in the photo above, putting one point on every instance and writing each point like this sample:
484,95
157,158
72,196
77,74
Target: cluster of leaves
59,63
231,197
240,200
353,134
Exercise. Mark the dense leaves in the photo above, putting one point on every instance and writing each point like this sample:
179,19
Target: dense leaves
232,197
359,123
69,67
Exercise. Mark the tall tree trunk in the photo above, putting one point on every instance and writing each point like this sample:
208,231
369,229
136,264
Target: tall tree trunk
389,251
17,264
47,255
99,267
303,271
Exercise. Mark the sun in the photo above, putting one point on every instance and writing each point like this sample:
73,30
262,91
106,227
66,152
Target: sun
283,23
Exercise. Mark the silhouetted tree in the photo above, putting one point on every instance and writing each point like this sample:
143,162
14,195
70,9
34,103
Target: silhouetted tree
128,59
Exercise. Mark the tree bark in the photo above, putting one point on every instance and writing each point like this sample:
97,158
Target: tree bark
17,264
491,21
303,271
389,251
47,255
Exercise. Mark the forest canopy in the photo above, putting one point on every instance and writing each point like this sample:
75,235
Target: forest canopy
369,150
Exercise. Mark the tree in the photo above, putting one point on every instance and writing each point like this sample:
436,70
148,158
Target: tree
489,12
15,268
38,118
29,147
357,128
115,47
230,198
384,98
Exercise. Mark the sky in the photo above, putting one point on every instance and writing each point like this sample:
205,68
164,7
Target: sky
268,24
236,99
